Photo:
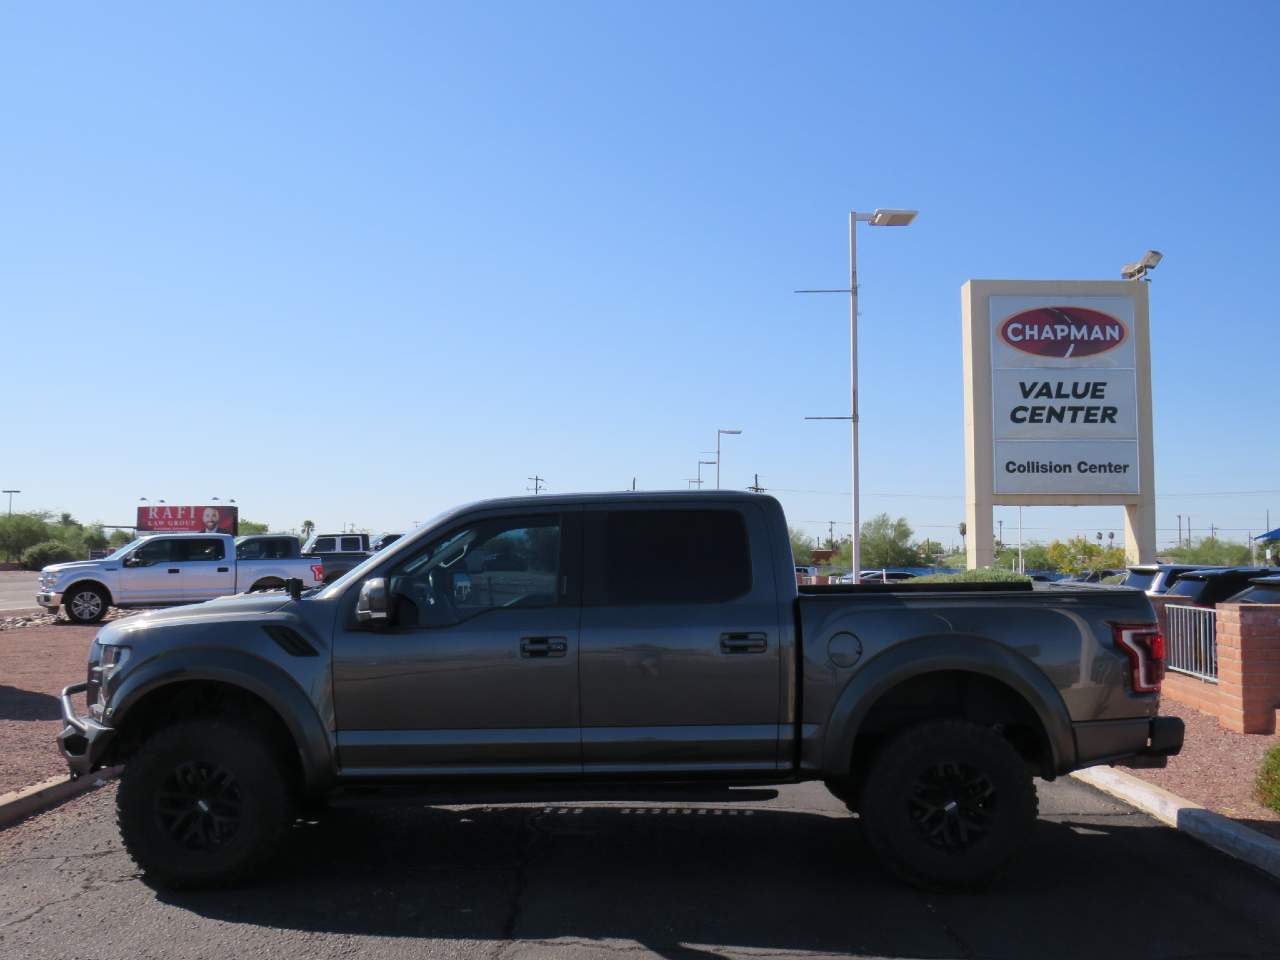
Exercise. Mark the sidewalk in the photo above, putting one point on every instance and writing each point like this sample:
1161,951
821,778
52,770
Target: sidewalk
1216,768
35,664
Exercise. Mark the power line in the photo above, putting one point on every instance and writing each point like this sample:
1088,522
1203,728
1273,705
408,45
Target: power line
538,484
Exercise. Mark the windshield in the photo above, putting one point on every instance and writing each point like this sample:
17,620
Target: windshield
119,554
360,570
1140,579
1187,587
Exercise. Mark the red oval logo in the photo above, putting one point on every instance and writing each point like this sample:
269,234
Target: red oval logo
1063,332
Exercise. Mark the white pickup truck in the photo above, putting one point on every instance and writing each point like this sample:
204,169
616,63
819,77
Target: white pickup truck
166,570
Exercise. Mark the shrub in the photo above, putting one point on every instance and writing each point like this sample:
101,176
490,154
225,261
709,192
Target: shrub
981,575
1269,779
43,554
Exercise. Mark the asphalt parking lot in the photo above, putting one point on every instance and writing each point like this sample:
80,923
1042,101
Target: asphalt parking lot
782,876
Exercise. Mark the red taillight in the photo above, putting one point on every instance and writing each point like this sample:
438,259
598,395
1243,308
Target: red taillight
317,571
1144,645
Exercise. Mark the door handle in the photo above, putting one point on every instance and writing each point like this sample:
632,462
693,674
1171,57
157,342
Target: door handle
224,569
743,643
543,646
173,570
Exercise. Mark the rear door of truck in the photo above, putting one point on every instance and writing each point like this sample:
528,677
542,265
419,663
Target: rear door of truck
679,663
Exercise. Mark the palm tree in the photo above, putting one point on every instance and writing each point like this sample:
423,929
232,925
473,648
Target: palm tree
307,527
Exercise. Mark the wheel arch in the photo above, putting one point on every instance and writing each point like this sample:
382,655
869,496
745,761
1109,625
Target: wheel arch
980,664
90,582
181,683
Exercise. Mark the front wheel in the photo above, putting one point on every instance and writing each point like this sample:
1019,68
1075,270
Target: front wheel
948,804
85,603
203,803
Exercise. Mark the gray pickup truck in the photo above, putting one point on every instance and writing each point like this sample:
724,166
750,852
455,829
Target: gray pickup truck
573,641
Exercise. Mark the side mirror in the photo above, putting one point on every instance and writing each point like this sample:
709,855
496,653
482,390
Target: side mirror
371,607
134,562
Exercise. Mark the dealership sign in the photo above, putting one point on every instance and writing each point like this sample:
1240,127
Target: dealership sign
193,519
1064,395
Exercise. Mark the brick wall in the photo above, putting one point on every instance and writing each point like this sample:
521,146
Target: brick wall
1246,697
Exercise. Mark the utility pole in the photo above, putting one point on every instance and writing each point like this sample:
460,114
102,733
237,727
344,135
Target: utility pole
633,484
538,484
831,534
1179,529
755,487
12,492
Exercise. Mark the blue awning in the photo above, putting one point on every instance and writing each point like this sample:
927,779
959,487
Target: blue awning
1269,535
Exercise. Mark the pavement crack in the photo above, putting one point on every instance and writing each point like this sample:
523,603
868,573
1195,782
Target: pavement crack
533,833
966,951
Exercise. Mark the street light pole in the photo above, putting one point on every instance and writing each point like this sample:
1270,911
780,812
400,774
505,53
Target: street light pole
721,432
880,218
10,493
856,541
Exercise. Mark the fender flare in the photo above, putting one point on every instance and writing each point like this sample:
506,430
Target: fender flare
936,654
251,674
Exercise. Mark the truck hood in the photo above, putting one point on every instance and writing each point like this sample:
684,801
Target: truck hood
59,568
241,607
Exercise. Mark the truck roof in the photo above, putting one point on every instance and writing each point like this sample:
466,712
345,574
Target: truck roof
621,496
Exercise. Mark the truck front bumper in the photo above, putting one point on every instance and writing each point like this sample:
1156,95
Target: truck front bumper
83,741
1141,742
50,601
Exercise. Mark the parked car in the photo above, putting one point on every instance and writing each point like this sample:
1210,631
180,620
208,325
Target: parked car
1096,576
338,552
1206,588
885,576
1157,578
1260,590
165,570
557,641
384,541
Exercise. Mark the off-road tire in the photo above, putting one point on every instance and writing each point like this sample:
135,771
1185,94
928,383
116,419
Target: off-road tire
236,774
77,602
948,804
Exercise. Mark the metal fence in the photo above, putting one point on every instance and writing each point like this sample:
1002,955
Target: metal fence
1192,641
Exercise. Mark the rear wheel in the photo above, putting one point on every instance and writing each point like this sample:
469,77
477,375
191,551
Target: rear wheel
948,804
85,603
203,803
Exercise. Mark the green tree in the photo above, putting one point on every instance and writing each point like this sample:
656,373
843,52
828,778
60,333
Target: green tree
248,527
1080,554
887,543
119,538
801,546
94,537
930,551
308,528
1211,552
20,531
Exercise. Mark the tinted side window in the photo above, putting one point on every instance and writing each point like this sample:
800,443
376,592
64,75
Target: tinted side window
202,549
158,551
675,557
351,545
1141,581
252,550
325,545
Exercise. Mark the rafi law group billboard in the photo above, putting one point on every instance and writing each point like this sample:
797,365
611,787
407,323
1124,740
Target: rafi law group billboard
206,518
1064,395
1057,402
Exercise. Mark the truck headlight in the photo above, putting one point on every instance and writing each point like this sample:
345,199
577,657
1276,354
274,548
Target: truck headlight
113,658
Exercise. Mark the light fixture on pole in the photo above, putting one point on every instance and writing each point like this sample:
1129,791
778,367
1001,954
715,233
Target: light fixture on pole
1139,269
719,433
701,464
880,218
10,493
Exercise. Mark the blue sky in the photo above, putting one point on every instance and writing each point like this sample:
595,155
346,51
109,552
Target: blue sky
361,262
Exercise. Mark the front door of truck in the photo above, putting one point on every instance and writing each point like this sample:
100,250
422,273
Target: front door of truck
477,672
680,653
152,573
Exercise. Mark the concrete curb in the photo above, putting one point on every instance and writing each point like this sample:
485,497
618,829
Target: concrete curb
20,804
1219,832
